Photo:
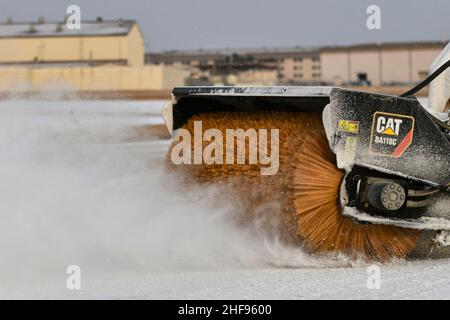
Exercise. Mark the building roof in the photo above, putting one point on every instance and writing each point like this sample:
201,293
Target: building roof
386,45
213,54
286,51
59,29
241,51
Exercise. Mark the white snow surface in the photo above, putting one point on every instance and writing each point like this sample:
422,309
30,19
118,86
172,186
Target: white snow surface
69,198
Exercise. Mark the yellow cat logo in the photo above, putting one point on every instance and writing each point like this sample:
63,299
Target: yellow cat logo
392,134
389,126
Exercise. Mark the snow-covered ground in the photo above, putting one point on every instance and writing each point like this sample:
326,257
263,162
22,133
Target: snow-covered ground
70,197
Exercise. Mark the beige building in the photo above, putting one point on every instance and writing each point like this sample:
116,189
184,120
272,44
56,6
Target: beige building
291,65
101,56
109,56
97,42
378,64
299,69
363,64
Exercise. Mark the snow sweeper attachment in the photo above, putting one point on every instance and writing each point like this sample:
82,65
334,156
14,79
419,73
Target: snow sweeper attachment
361,174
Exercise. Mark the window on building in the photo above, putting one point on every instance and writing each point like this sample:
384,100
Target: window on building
362,76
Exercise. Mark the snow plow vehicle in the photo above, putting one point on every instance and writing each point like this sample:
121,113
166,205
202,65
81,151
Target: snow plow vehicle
362,174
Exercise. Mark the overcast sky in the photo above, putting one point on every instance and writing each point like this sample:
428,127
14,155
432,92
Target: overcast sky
192,24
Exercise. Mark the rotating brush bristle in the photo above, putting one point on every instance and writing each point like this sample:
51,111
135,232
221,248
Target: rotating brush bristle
315,193
306,187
